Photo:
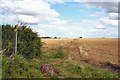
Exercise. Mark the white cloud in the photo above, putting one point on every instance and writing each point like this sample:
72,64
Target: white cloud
90,0
61,30
57,21
29,11
88,21
77,29
100,27
108,6
113,16
28,19
108,33
56,1
109,22
98,14
1,18
7,18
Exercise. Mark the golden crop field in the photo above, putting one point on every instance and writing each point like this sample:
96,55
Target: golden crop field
94,51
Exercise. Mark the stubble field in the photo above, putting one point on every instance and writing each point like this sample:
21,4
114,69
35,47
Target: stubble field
98,52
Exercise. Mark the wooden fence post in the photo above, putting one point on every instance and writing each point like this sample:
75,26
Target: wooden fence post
15,40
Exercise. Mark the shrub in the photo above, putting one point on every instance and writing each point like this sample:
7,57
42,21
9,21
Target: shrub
29,44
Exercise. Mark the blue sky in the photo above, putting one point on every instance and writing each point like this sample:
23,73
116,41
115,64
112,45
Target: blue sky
73,11
62,18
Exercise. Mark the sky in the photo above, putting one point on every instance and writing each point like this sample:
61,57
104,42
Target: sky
64,18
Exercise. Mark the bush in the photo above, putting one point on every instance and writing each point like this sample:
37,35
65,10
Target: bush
29,44
59,53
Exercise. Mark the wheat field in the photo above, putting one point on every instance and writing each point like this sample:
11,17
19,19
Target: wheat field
94,51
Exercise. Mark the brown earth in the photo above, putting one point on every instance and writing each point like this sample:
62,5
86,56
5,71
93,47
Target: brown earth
100,52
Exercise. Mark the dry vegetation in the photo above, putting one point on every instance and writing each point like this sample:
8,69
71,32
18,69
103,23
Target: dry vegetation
99,52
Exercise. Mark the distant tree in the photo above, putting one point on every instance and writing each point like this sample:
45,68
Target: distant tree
80,37
55,37
46,37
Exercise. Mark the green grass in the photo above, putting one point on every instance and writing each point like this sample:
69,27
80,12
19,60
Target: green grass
73,69
20,67
59,53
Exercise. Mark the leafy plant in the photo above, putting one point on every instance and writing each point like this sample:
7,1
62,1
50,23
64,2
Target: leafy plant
59,53
29,44
20,67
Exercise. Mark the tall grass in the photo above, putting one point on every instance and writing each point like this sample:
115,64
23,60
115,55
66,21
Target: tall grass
59,53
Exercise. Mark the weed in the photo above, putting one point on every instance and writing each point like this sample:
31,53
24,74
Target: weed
59,53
